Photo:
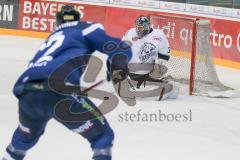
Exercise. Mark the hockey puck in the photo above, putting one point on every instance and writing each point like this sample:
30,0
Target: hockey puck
106,98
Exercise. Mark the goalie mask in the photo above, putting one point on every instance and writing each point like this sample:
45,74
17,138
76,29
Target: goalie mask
143,26
67,13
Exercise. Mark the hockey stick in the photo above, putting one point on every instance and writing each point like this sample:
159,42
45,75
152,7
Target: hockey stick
92,86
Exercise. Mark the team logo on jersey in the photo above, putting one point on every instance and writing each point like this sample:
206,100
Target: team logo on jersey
147,51
155,38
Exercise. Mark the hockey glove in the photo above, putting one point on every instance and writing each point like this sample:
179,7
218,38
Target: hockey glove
119,68
119,75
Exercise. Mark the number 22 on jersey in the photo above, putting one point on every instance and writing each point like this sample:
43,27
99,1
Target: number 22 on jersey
52,44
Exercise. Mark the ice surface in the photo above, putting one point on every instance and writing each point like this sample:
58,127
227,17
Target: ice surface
213,133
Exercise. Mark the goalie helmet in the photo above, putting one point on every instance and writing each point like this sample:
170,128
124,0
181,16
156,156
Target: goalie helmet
67,13
143,26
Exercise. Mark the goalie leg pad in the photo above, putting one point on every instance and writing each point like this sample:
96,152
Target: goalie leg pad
158,71
174,93
164,91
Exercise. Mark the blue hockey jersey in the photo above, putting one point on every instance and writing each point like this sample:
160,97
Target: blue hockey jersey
66,42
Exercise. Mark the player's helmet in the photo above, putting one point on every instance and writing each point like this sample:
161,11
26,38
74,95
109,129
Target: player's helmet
67,13
143,25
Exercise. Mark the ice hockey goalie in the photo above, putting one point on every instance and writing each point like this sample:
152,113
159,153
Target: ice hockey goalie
151,51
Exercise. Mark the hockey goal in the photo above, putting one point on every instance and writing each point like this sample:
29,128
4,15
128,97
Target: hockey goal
191,61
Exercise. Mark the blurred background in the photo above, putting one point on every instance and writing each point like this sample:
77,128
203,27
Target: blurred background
218,3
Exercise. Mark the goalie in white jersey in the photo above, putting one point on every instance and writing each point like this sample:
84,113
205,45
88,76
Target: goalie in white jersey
151,51
149,46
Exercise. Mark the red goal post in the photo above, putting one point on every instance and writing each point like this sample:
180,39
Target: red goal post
191,60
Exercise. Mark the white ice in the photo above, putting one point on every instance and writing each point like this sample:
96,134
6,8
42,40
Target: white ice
213,133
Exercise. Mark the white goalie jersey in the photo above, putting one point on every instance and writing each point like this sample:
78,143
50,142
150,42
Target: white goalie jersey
152,48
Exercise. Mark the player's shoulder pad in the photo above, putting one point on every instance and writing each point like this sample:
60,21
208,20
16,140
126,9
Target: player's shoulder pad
89,27
132,31
158,32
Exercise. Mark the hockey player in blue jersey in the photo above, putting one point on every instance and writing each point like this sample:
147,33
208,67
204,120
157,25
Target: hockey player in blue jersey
70,39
